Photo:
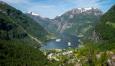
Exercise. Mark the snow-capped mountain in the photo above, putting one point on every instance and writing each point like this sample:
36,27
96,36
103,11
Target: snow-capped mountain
76,21
79,10
75,11
84,9
43,21
34,14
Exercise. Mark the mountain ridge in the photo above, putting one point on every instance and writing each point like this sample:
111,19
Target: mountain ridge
22,19
18,45
66,22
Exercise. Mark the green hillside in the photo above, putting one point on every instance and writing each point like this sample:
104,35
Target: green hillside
101,53
17,43
16,47
106,27
18,53
23,20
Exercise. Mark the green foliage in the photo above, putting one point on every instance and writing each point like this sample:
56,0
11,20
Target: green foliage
106,46
9,30
94,54
16,47
18,53
89,52
105,28
26,22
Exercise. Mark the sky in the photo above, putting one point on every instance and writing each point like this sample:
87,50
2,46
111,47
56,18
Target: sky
53,8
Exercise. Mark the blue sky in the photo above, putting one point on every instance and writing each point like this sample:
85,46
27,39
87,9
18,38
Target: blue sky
53,8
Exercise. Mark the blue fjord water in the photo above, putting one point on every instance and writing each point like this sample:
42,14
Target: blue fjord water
62,43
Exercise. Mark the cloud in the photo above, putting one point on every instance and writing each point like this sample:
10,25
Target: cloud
85,3
52,8
46,10
16,1
40,7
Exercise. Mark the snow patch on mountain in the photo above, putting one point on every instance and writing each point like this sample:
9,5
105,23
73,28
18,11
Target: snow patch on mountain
80,10
32,13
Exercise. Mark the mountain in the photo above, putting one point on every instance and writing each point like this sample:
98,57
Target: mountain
41,20
18,44
48,24
78,21
106,26
23,20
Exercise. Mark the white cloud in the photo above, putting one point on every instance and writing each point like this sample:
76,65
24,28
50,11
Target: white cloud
15,1
85,3
44,10
52,8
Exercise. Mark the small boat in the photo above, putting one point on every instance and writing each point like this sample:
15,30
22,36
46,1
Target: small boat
69,43
58,40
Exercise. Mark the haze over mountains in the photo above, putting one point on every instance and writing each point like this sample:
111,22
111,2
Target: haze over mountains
78,21
21,36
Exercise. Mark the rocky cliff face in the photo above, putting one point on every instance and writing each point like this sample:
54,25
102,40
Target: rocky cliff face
78,21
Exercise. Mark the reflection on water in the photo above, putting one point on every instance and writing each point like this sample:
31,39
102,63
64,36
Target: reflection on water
61,43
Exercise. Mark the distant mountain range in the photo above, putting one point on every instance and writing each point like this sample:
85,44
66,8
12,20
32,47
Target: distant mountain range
21,36
78,21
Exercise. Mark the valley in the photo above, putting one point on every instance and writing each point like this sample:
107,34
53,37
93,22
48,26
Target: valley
79,22
78,37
